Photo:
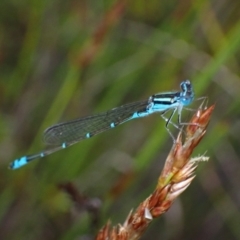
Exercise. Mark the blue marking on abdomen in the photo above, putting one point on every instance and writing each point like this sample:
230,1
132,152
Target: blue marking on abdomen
19,162
140,114
112,125
64,145
88,135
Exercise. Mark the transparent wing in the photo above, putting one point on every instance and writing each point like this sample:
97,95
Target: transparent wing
82,128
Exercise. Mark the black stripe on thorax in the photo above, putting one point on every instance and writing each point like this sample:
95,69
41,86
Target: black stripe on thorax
165,98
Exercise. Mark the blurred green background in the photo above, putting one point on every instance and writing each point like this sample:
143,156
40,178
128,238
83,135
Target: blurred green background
61,60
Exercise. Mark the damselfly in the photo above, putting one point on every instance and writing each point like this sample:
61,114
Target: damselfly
65,134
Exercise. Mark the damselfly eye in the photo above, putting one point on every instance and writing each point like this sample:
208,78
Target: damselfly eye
186,86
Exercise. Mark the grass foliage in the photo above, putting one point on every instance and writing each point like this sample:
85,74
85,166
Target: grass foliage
62,60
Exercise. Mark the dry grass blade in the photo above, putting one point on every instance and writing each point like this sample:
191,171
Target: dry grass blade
176,176
92,48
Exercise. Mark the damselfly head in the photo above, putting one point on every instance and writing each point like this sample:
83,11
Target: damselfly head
186,86
187,94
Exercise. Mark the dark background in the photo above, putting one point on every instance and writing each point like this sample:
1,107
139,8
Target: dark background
61,60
